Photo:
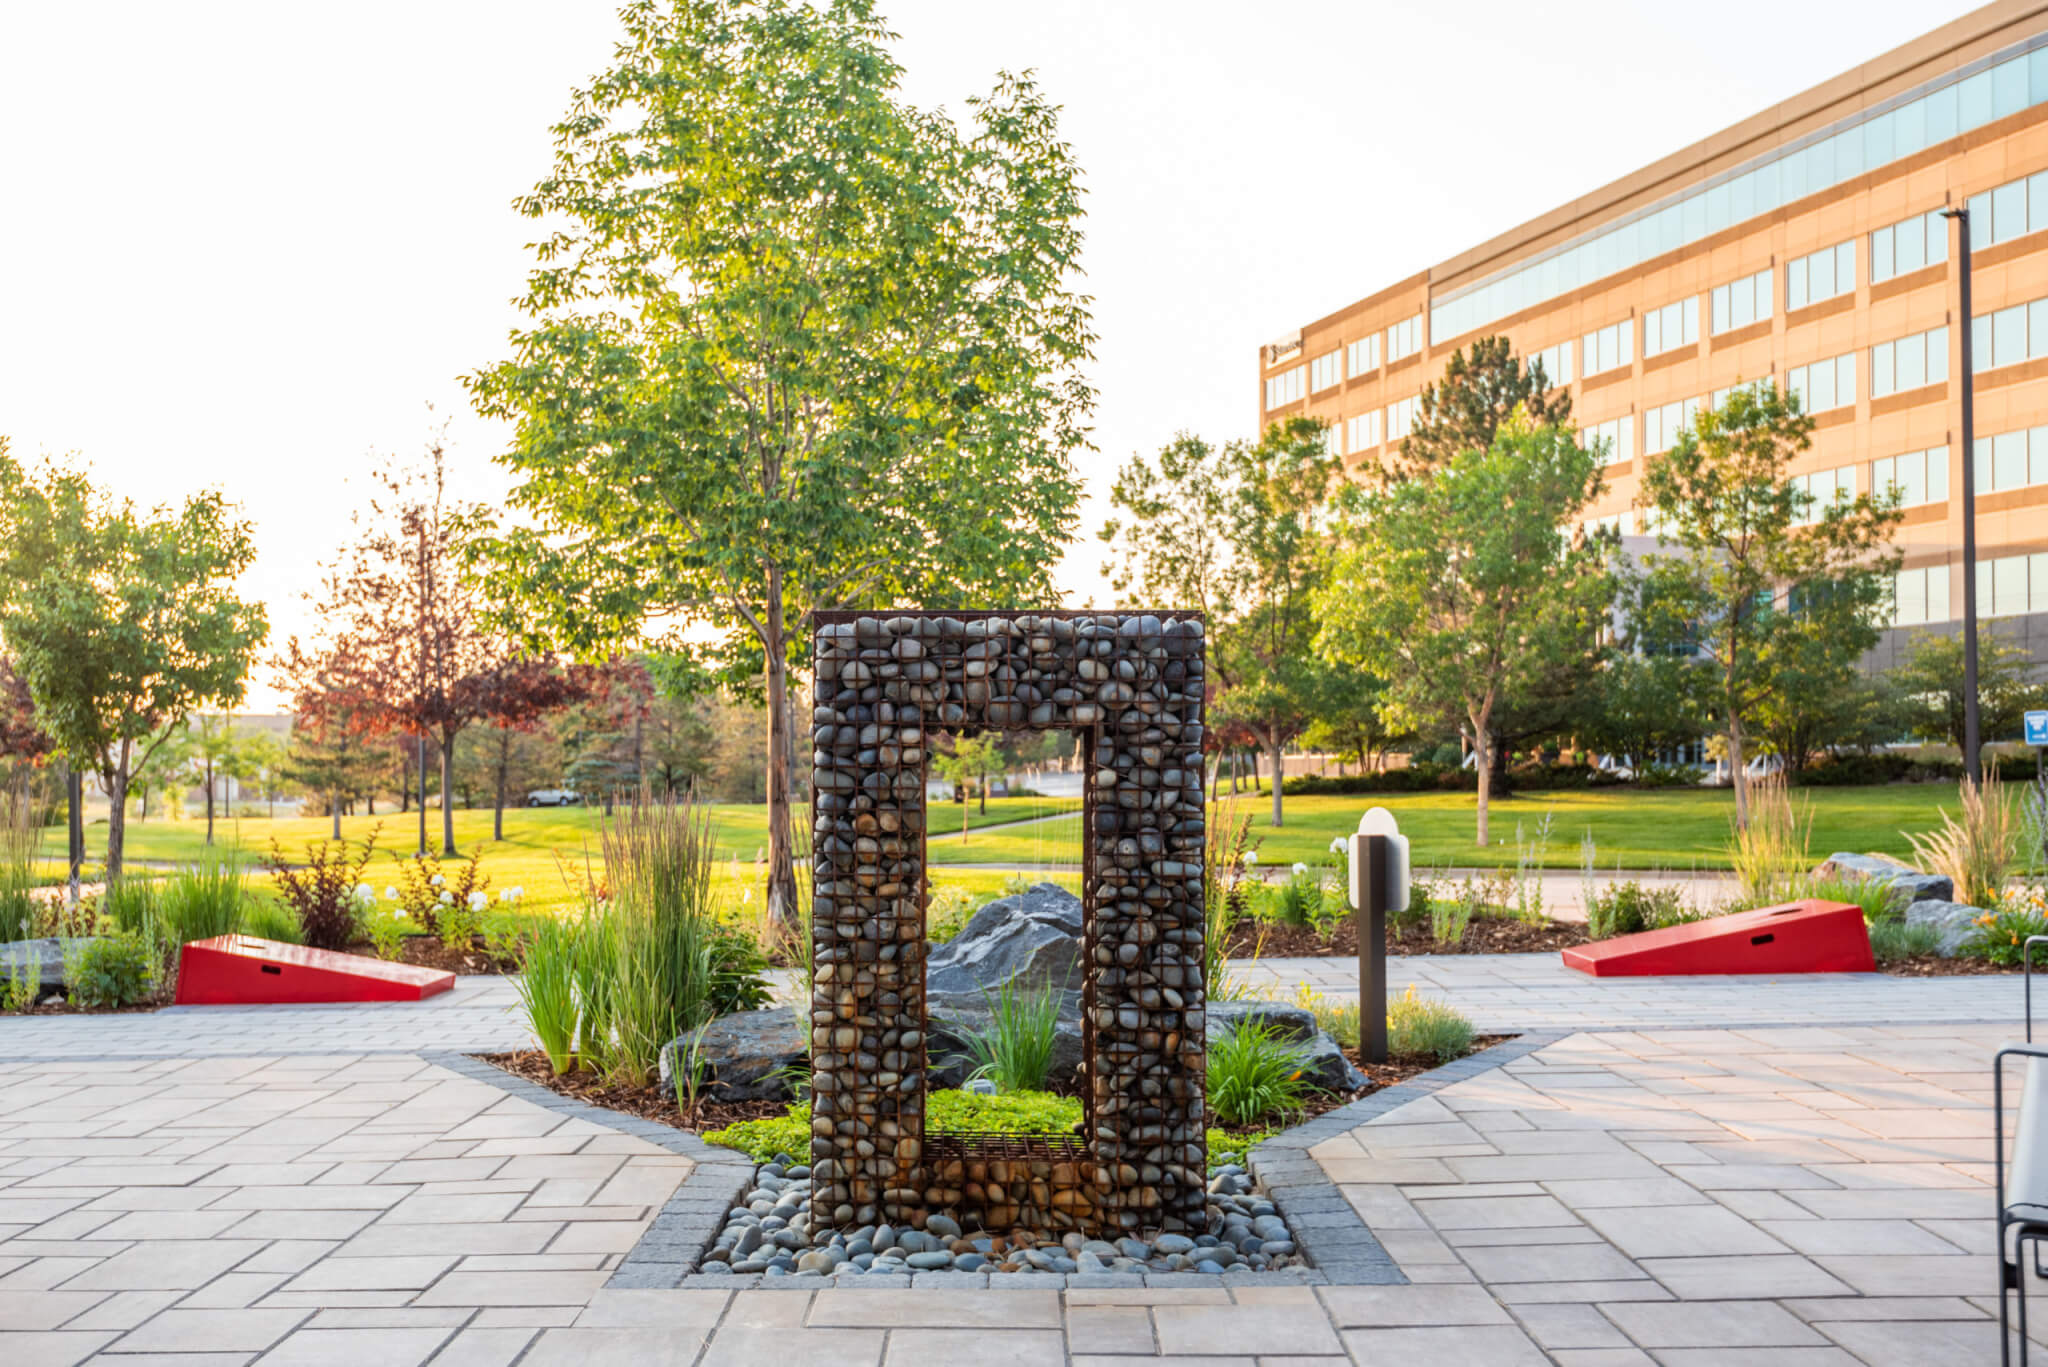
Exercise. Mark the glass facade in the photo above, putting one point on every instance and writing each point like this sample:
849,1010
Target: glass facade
1918,476
1671,327
1404,338
1907,245
1820,275
1920,596
1400,418
1822,488
1610,348
2010,460
1661,425
1325,370
1365,355
1931,114
1614,439
1824,384
1739,303
1289,386
1909,362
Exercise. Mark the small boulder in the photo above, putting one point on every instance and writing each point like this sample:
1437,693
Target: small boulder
747,1055
1030,941
1955,922
46,955
1910,884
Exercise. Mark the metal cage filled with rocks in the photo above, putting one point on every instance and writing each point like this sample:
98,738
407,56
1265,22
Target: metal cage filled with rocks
1131,683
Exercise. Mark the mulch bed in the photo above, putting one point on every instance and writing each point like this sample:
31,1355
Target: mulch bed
1934,966
426,951
1483,935
659,1104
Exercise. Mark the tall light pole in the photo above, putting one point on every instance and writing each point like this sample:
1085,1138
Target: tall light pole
1973,769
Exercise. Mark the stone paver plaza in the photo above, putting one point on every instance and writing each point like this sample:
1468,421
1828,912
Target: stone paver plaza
1792,1171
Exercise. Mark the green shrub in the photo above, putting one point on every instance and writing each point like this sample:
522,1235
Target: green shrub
266,918
322,889
947,911
788,1134
110,971
1014,1050
1433,1029
1338,1019
1892,941
1254,1073
1450,915
134,905
22,972
1627,908
2001,934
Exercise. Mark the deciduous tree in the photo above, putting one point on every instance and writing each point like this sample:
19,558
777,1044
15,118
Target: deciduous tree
1930,682
1763,582
123,622
1458,585
795,345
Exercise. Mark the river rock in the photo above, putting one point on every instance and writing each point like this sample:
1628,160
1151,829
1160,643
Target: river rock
746,1054
1911,884
1954,921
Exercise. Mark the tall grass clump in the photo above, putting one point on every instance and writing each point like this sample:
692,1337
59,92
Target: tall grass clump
203,899
1337,1019
1254,1073
547,987
1772,849
1892,941
266,918
1014,1050
1978,846
1431,1029
1226,853
134,905
1877,899
20,837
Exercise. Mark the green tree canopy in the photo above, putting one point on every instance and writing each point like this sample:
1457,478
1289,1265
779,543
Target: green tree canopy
124,623
1481,387
1458,586
1930,684
1771,590
794,344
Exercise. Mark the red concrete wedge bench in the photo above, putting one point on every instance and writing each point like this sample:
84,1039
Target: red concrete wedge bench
1811,936
242,970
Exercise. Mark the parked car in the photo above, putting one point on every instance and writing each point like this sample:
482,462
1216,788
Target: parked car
553,797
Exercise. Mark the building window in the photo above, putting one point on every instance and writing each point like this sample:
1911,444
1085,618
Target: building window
1920,596
1824,384
1662,425
1404,339
1287,387
2009,336
1820,275
2012,585
1909,363
1556,362
2010,460
1365,432
1365,355
1607,349
1621,524
1921,240
1325,371
1823,488
1739,303
2011,210
1614,440
1919,476
1673,326
1721,396
1400,418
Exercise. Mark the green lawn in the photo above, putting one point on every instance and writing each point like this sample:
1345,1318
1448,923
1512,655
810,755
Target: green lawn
544,850
1670,829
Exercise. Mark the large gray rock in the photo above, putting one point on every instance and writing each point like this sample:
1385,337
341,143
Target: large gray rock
1955,921
1032,941
747,1055
1323,1063
1909,883
46,954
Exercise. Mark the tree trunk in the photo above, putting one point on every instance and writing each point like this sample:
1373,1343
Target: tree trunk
447,787
334,809
1736,772
984,794
504,763
116,780
209,802
782,893
1279,770
1482,761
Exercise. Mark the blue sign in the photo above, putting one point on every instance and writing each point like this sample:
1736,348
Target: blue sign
2037,728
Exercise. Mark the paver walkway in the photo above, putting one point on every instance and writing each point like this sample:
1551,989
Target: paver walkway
294,1186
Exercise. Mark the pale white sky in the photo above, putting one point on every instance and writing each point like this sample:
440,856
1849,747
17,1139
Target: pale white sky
248,245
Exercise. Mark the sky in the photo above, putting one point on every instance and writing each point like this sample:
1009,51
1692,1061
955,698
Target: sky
254,247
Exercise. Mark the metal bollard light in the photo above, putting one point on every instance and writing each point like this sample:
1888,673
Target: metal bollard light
1379,884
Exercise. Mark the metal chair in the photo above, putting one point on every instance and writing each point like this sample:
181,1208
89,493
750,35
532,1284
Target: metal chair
2022,1196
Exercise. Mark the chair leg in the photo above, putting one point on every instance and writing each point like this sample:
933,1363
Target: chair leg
2019,1267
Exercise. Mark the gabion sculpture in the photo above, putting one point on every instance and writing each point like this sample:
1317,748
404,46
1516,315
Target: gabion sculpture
1132,683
